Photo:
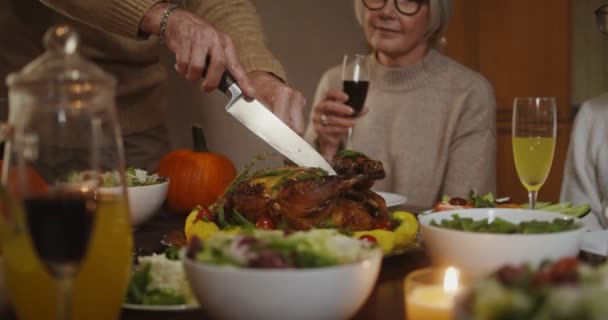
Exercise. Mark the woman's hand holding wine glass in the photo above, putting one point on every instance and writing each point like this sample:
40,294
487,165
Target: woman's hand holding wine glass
534,133
338,111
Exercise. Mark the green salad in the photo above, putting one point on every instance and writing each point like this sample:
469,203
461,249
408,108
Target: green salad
159,280
135,177
277,249
498,225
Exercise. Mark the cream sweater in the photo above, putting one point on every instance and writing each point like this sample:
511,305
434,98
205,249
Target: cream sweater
109,32
431,124
586,168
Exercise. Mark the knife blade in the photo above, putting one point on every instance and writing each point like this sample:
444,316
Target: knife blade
266,125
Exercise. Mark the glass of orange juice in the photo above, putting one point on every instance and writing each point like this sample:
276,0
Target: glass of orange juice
67,244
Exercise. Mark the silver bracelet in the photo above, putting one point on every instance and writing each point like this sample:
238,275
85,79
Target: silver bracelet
163,21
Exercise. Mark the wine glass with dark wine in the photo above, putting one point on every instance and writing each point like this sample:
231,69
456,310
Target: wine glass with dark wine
355,82
63,138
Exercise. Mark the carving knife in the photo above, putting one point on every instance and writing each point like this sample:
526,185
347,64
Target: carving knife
266,125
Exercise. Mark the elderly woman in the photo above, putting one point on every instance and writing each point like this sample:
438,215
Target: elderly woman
430,120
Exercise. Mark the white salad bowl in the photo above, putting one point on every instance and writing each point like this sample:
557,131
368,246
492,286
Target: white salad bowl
478,254
144,201
336,292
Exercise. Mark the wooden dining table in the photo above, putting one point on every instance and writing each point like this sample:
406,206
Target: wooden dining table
386,300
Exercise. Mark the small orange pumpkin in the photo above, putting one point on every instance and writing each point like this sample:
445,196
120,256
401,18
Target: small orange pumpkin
196,177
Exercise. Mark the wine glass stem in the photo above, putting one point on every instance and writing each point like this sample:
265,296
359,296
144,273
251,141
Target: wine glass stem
532,199
64,296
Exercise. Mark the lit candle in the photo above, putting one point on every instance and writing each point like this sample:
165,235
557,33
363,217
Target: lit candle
427,298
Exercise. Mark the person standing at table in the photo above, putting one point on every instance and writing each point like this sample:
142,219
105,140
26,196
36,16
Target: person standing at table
586,167
117,35
430,120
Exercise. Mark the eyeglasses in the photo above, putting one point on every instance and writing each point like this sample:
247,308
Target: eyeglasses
406,7
601,15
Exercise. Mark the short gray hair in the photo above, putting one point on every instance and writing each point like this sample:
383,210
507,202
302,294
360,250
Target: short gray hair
439,16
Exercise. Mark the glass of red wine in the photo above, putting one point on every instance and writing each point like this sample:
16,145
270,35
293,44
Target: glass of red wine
63,135
355,82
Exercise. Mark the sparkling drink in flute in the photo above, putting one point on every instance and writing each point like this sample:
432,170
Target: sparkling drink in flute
534,134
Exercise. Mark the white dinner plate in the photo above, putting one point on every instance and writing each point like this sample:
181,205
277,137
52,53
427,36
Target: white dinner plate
392,199
146,307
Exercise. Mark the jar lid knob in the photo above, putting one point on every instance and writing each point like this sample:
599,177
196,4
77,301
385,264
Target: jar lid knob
61,38
60,63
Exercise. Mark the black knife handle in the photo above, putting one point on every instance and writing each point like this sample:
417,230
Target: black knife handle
225,82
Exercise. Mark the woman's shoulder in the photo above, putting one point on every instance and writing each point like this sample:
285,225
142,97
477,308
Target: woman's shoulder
596,104
463,81
459,73
594,110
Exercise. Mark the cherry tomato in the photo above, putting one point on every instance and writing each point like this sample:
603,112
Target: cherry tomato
384,225
541,278
509,275
438,206
205,215
444,205
564,271
457,201
265,223
368,238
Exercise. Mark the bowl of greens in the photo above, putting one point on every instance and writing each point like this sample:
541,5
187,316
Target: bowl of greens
262,274
146,192
479,241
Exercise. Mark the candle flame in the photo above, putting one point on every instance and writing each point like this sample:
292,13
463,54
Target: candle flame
450,280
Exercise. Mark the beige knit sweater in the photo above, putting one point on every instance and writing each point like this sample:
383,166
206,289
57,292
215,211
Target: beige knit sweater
109,32
431,124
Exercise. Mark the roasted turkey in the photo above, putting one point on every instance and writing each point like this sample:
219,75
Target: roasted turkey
304,198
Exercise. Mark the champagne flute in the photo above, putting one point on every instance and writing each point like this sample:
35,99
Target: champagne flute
534,133
355,82
56,220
